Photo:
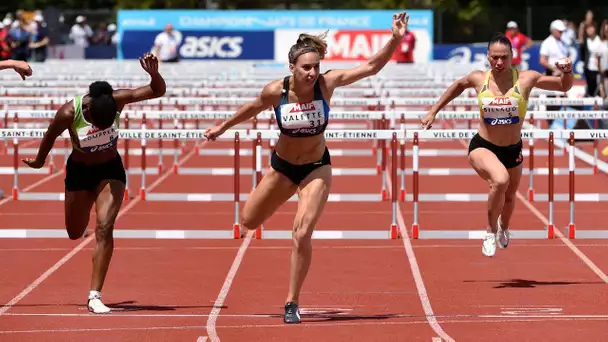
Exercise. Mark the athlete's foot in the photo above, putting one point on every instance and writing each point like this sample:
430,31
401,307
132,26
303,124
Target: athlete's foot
292,313
95,305
503,235
488,247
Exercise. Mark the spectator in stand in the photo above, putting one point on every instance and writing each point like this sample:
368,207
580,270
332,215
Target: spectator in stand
81,32
519,42
21,38
113,34
406,52
40,39
603,61
102,36
5,44
589,20
166,45
551,50
569,36
591,48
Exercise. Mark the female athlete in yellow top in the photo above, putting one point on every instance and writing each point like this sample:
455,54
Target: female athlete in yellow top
495,151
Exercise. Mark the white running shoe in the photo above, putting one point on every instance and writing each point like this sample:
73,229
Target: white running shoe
488,247
95,305
503,235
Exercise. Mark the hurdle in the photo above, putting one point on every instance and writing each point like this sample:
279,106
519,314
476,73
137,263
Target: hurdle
238,136
547,232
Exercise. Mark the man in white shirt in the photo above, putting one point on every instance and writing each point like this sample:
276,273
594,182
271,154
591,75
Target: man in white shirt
553,48
81,32
166,45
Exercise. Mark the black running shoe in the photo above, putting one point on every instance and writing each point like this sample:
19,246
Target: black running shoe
292,313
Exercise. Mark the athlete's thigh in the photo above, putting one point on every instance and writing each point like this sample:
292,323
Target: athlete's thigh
313,194
77,206
110,194
274,190
487,165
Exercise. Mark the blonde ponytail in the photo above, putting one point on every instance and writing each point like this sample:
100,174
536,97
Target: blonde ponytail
308,43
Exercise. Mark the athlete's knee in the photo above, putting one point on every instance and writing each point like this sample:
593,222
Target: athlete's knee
302,229
249,221
104,230
500,182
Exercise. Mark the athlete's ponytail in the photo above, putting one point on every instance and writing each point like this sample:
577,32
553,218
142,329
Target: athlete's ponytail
308,43
103,108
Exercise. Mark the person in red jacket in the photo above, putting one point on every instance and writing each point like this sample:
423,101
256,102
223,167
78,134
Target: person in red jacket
519,41
405,52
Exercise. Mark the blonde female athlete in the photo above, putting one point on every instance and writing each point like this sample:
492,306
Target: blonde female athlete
301,161
495,151
94,171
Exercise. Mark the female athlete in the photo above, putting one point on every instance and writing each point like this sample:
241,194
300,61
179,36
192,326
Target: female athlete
94,170
22,68
301,161
495,151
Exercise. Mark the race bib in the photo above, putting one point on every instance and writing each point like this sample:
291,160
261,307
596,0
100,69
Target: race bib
500,111
303,115
93,140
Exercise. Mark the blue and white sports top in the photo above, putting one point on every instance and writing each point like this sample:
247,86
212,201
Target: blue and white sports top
302,119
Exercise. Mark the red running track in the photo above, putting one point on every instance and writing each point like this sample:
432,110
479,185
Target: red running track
356,289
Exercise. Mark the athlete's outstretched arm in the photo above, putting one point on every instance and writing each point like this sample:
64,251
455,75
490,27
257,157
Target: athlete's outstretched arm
268,97
343,77
557,83
21,67
156,88
460,85
60,122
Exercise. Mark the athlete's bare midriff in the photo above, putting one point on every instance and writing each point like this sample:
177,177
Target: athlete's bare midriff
501,135
300,150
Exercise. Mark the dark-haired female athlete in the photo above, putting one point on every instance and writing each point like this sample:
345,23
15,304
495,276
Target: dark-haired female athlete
94,170
301,160
495,151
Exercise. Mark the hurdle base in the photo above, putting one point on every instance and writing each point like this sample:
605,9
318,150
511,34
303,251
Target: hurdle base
571,231
395,234
589,234
258,233
551,231
415,231
236,231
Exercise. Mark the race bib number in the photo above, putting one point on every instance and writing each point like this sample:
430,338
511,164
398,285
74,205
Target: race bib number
500,111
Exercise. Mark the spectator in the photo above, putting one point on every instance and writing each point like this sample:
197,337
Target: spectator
101,37
5,45
569,36
166,45
40,39
519,41
591,48
21,38
113,34
553,49
408,45
603,60
81,32
581,27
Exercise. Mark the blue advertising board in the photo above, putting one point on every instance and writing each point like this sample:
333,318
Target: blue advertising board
257,45
135,26
474,53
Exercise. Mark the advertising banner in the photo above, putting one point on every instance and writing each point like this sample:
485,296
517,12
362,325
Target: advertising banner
354,34
476,53
206,44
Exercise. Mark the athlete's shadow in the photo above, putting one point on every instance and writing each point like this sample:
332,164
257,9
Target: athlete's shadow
339,316
132,306
525,283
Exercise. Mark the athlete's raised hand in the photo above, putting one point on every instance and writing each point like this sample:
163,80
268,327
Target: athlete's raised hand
564,65
149,63
400,21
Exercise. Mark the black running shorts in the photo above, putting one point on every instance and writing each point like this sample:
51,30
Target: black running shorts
80,176
510,156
